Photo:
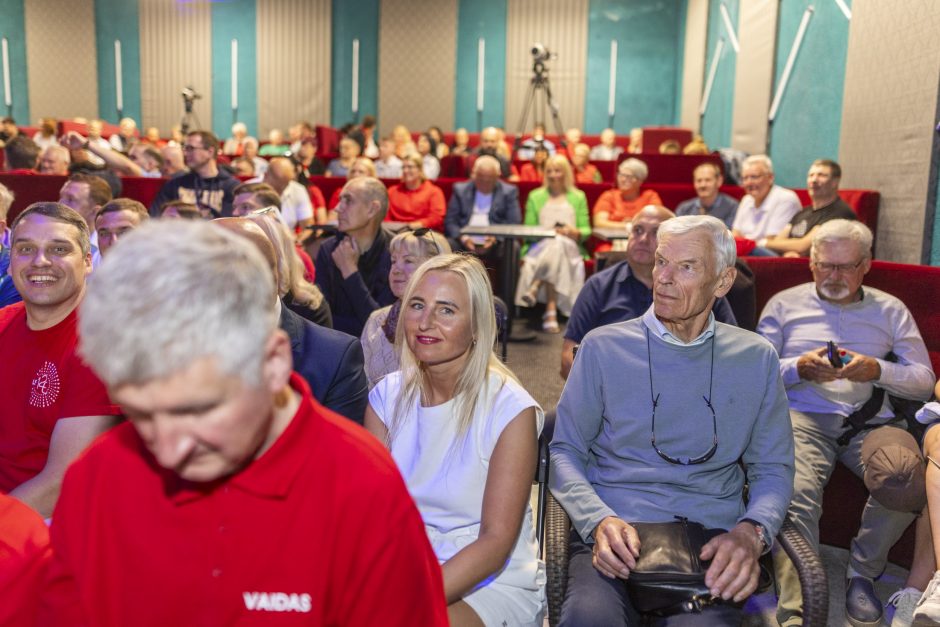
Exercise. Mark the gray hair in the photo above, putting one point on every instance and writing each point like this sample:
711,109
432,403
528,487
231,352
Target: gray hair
6,201
841,230
142,321
726,251
486,161
636,167
761,160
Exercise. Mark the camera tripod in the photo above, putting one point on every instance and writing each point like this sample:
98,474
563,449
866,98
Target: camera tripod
539,85
190,120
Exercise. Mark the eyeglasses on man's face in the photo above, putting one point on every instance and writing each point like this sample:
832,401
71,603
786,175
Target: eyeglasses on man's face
829,268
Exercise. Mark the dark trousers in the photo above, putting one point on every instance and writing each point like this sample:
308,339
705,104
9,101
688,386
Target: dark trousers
593,599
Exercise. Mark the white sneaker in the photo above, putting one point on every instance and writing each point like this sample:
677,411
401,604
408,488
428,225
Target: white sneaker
927,611
904,602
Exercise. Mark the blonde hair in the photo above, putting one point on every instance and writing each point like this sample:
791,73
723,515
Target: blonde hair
474,380
420,246
367,163
290,268
561,161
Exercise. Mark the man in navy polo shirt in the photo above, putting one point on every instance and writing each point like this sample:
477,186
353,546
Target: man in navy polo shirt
623,291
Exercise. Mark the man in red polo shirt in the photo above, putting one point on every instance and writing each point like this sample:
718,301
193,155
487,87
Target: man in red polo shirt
231,496
53,406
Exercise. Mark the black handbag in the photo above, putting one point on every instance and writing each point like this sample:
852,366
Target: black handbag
669,577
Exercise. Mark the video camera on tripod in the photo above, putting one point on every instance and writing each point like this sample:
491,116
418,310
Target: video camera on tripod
189,121
541,55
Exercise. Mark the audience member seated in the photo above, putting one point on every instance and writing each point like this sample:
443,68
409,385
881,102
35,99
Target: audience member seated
205,185
242,167
490,145
461,145
152,137
404,145
87,195
709,199
278,457
295,270
527,147
696,147
636,141
584,172
8,130
387,166
26,556
116,219
553,269
607,150
927,610
430,164
329,361
416,201
534,171
364,135
409,250
348,153
54,405
298,134
275,146
767,208
352,266
297,210
670,147
615,207
481,201
142,159
624,291
454,415
606,472
20,155
173,161
362,166
126,135
54,159
250,152
307,162
177,209
8,293
46,135
235,145
572,139
833,402
441,150
822,184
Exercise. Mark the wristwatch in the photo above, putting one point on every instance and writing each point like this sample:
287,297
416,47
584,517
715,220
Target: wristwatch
762,535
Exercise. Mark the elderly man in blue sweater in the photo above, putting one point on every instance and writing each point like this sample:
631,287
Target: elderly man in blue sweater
664,416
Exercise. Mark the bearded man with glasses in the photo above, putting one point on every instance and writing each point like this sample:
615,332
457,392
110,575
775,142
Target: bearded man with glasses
663,416
206,185
837,395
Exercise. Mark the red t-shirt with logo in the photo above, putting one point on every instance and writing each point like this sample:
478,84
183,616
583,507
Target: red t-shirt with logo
319,530
42,379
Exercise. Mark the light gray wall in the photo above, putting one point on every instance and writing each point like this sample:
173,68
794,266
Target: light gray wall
293,63
561,25
888,115
60,54
693,65
754,75
175,51
417,63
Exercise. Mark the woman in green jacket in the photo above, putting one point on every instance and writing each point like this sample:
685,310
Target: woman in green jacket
553,268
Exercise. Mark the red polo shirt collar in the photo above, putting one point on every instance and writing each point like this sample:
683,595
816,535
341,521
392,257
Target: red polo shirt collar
269,476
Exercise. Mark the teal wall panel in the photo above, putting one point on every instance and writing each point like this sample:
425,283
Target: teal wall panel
118,20
234,19
716,123
809,120
478,19
355,19
13,28
649,63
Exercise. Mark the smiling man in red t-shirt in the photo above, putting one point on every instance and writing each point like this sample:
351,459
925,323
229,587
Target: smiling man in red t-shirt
53,405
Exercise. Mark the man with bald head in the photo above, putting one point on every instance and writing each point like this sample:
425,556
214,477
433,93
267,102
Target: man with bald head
296,208
625,290
489,145
55,160
173,164
330,361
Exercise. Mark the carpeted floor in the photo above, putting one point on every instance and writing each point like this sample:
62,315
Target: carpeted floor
537,363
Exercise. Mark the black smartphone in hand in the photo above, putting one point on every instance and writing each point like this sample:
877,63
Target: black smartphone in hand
832,353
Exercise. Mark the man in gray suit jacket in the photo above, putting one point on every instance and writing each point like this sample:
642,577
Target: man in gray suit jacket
483,200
